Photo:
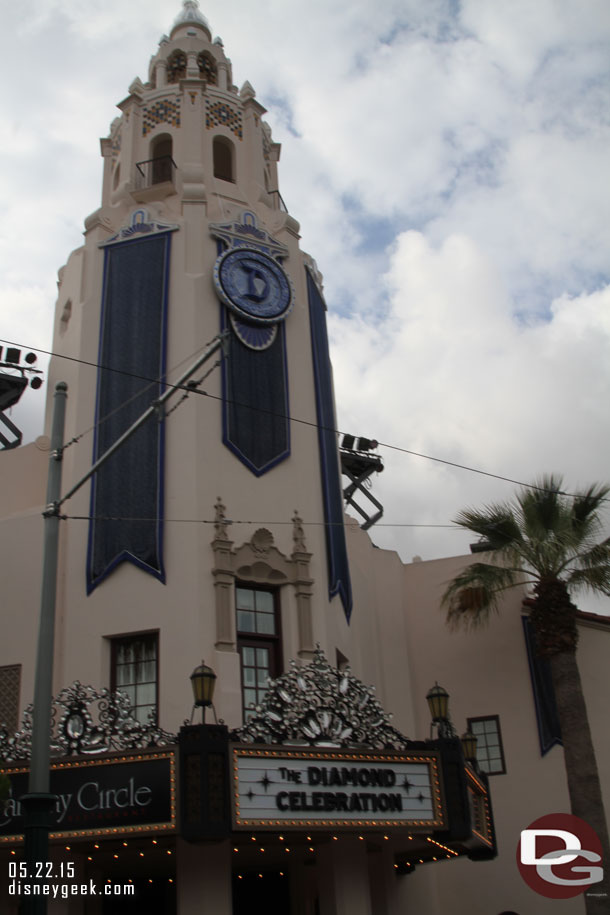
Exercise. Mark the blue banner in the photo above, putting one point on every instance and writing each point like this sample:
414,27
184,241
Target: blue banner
127,491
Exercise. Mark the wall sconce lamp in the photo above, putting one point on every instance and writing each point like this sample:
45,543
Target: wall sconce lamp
203,681
438,703
469,745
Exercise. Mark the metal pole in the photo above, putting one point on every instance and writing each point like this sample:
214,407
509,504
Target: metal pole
41,720
155,407
39,804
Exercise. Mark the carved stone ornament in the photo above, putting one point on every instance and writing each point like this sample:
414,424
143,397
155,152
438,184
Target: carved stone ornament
220,520
140,223
298,534
322,706
262,541
245,231
75,730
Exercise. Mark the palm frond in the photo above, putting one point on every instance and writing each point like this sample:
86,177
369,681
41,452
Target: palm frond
597,554
496,524
542,509
586,521
473,594
543,535
594,578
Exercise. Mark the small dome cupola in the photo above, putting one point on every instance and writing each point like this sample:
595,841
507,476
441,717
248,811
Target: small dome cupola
191,17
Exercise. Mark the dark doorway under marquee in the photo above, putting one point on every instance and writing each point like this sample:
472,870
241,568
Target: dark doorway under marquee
268,893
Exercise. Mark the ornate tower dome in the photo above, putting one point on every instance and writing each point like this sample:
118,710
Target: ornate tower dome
191,16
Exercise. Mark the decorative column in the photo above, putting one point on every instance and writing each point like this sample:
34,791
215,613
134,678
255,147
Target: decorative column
223,75
161,74
303,583
223,581
192,67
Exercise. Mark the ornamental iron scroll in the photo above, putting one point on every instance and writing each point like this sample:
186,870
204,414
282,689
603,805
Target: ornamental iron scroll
322,706
77,730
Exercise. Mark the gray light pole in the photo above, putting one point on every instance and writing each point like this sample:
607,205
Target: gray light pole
39,804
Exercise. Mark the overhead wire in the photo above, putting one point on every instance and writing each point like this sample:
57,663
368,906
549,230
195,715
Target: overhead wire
310,423
232,521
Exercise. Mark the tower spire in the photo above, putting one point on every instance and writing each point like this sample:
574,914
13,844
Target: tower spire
191,15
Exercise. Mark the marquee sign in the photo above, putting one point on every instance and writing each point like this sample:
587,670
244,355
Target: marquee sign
333,789
97,797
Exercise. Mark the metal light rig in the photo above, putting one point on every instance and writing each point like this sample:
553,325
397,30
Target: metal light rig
14,379
359,465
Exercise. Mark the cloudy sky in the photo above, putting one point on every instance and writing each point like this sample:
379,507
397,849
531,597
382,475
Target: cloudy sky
448,163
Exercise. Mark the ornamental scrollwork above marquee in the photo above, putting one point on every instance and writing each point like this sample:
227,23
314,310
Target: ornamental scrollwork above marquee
86,721
322,706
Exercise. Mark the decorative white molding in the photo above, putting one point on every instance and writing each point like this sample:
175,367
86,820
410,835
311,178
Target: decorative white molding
320,705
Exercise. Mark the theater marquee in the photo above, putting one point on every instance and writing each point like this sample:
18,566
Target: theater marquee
122,793
333,788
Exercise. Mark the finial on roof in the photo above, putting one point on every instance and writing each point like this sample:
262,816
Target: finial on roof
190,15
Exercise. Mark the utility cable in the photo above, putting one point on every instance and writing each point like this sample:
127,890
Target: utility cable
231,521
311,423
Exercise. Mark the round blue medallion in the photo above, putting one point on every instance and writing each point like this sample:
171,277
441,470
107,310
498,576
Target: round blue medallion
253,285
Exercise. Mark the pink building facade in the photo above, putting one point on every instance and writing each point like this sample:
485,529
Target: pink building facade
218,533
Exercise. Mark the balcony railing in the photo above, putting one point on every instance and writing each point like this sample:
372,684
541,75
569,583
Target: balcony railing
278,201
155,171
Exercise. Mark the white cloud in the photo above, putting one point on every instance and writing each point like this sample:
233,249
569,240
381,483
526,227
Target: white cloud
450,372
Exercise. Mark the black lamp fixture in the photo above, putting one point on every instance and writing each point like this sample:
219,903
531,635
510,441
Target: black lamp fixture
438,703
469,745
203,681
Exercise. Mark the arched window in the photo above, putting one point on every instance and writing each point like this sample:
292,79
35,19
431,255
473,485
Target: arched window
207,68
161,156
176,67
224,159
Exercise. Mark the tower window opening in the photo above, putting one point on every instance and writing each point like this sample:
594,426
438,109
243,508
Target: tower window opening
161,160
176,67
224,159
207,68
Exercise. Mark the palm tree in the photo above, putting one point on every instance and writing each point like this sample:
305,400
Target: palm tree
548,540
